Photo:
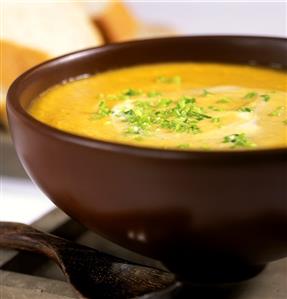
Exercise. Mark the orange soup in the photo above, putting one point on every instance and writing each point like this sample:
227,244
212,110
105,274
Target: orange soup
173,106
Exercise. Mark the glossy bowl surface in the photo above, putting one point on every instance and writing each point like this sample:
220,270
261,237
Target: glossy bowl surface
209,211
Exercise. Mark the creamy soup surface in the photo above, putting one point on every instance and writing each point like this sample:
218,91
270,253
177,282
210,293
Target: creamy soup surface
173,106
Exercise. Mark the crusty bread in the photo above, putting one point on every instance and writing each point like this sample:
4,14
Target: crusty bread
34,31
114,18
117,22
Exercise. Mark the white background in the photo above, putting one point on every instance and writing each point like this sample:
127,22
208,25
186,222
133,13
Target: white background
215,17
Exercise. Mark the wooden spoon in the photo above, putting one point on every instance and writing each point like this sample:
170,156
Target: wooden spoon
92,273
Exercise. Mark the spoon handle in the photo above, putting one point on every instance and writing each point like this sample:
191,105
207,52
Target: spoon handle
24,237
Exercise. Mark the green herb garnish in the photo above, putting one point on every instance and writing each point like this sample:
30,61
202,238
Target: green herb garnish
213,108
238,140
277,112
250,95
164,102
206,93
245,109
169,80
153,93
215,119
103,110
265,97
182,116
223,101
185,100
131,92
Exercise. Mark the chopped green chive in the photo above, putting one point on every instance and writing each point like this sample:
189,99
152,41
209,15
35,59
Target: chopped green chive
131,92
277,112
238,140
184,100
182,116
153,93
213,108
103,110
223,101
265,97
245,109
206,93
169,80
250,95
164,102
215,119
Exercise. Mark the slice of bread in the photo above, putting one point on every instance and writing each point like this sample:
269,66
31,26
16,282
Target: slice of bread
118,23
114,18
34,31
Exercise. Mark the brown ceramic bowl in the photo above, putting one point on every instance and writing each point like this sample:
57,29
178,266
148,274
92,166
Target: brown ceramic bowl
198,212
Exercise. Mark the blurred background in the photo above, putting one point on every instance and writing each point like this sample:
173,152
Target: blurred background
33,31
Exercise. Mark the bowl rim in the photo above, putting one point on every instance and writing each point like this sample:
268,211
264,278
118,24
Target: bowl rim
13,105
